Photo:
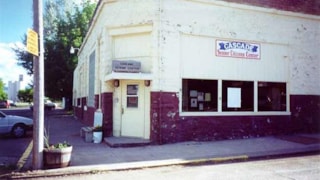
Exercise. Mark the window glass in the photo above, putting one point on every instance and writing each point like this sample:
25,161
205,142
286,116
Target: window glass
199,95
91,99
132,101
2,115
132,96
237,96
132,90
271,96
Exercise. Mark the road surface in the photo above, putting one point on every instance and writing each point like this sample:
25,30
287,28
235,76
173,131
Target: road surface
304,167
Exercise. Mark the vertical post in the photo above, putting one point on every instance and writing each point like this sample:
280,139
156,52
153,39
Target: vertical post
38,91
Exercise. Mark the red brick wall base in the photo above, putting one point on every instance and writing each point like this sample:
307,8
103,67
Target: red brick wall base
167,126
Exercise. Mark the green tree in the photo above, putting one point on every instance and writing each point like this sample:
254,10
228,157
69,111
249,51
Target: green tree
71,29
65,25
25,59
3,95
26,95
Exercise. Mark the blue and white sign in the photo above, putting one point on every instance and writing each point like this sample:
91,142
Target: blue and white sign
237,49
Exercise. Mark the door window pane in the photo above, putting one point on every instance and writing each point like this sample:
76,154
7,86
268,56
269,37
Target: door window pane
132,89
132,96
132,101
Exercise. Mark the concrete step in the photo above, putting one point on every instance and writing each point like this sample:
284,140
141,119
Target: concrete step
126,142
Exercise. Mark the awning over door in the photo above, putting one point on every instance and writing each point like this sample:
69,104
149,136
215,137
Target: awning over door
128,76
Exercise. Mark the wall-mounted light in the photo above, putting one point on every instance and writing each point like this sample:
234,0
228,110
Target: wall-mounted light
147,83
116,83
72,50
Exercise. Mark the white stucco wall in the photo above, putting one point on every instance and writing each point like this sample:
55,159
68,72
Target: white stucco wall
116,21
182,42
289,43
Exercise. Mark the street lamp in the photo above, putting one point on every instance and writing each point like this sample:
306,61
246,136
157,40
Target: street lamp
72,50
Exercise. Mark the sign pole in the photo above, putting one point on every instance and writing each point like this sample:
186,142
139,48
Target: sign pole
38,91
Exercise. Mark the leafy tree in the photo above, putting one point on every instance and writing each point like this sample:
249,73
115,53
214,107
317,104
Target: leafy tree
26,95
71,29
25,59
3,95
65,25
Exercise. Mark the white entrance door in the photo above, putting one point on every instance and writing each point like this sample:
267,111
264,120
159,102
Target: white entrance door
133,109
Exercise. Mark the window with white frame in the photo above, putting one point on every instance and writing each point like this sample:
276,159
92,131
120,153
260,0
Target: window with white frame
272,96
237,96
199,95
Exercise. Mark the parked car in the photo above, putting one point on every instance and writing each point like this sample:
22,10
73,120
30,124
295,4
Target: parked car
4,104
48,105
15,125
12,104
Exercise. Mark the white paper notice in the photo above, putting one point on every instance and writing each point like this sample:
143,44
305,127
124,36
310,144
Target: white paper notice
234,97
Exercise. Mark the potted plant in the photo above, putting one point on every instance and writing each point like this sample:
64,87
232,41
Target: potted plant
56,155
97,134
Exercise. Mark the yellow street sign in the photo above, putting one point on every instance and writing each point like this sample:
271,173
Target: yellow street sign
32,42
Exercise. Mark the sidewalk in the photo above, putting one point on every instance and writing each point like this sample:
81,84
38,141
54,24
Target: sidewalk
91,157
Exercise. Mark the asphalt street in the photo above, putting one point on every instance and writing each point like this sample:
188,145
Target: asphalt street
302,167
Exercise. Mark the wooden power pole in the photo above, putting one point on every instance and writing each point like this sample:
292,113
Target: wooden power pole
38,91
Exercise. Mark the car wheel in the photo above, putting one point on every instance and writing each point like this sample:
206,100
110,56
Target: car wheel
18,130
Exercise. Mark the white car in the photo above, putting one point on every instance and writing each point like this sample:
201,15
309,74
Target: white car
16,125
48,105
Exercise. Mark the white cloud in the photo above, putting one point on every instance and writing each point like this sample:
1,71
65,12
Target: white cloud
9,69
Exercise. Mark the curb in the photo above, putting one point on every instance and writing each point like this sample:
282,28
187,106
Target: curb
23,159
73,170
92,169
234,156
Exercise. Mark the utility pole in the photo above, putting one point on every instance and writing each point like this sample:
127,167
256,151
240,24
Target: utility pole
38,91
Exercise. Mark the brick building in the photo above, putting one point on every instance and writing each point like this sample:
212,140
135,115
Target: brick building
178,70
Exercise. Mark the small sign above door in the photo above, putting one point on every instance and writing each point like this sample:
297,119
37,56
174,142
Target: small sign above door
129,66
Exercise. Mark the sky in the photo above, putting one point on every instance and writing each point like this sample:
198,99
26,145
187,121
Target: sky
16,17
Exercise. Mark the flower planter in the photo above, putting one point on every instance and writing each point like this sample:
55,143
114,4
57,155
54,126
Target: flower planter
57,158
97,136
